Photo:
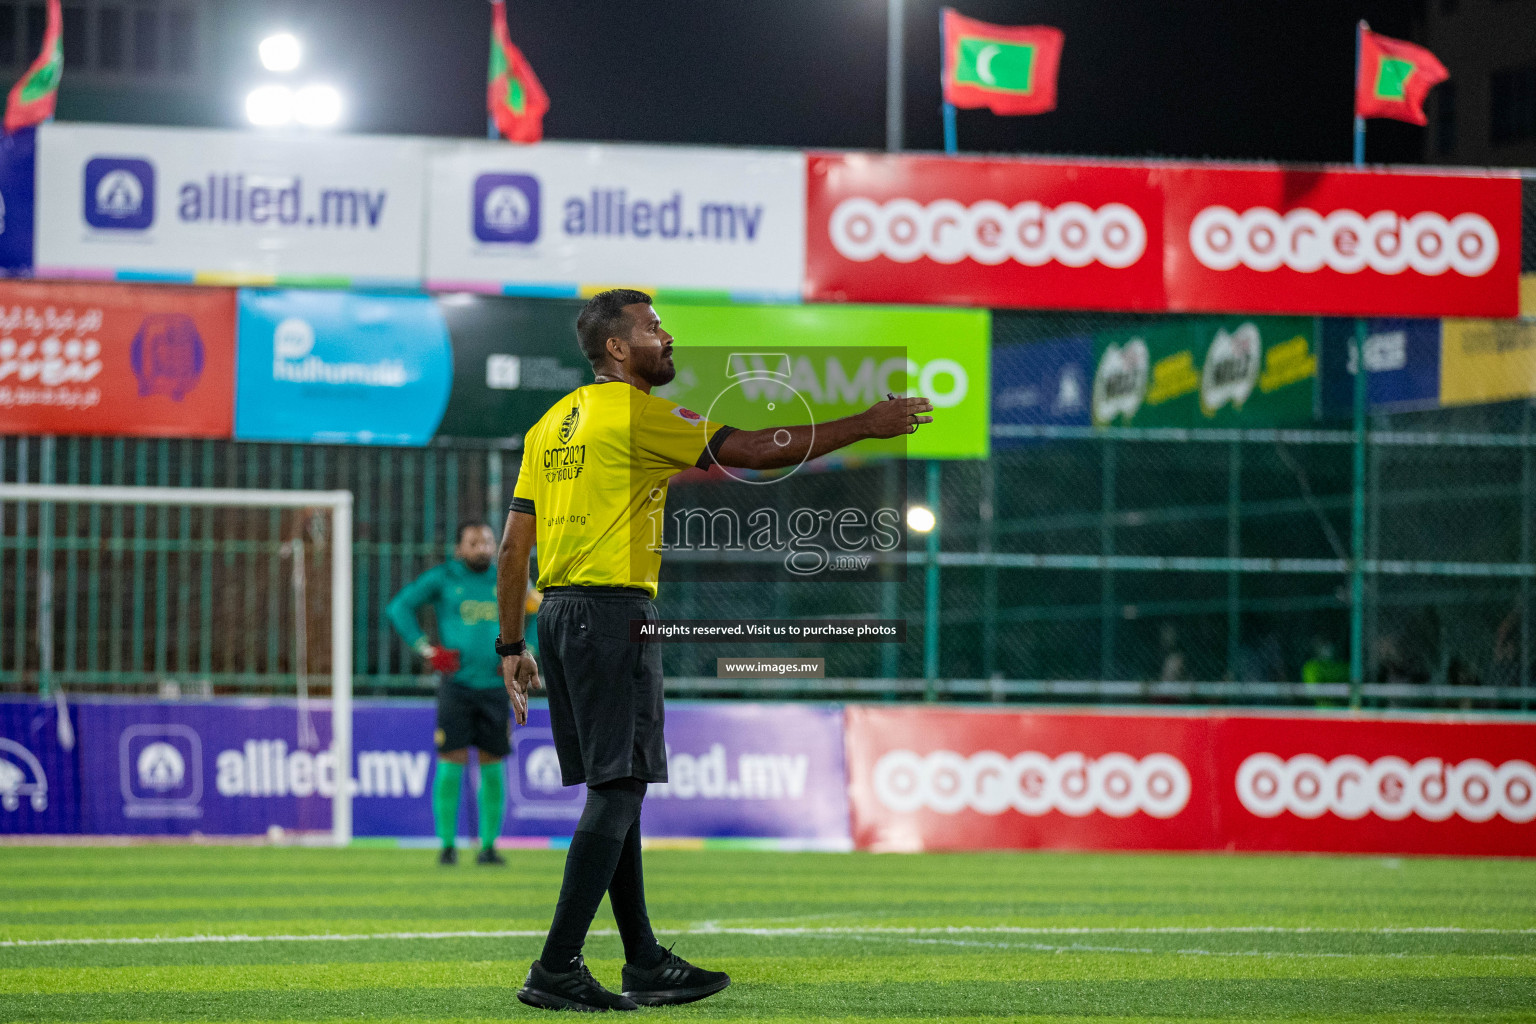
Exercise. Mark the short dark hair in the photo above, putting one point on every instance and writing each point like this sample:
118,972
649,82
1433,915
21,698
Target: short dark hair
470,524
602,318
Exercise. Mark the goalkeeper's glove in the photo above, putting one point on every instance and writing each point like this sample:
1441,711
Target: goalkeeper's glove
442,659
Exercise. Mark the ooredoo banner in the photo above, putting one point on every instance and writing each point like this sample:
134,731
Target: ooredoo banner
1340,241
116,359
1154,236
224,207
960,779
1035,233
555,218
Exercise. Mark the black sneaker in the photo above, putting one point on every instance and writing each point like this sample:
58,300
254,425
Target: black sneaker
488,855
672,981
449,856
575,989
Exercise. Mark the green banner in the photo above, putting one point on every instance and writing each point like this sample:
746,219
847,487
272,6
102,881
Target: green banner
758,366
1207,371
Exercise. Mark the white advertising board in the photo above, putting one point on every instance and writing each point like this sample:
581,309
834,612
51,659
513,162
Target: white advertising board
564,218
227,207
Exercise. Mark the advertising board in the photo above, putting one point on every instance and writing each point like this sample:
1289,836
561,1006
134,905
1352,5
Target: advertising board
1340,241
1207,371
970,779
341,367
224,207
39,775
1402,357
1487,361
116,359
1044,383
1037,233
559,219
742,360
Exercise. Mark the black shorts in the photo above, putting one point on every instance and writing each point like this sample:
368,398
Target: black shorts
604,690
471,717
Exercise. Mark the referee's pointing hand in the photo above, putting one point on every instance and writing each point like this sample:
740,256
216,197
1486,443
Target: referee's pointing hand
520,674
896,416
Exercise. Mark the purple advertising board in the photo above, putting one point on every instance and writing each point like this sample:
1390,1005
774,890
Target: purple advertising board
39,770
239,767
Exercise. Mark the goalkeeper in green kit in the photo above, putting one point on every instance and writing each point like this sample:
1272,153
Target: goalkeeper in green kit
473,708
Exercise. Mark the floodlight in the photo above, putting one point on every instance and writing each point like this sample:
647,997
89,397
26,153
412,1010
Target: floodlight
280,52
269,105
318,106
920,518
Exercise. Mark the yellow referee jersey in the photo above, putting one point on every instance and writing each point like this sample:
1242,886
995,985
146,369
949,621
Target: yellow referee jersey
594,476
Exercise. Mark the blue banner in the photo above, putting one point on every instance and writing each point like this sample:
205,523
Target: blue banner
18,161
1046,383
338,367
1402,355
39,770
239,767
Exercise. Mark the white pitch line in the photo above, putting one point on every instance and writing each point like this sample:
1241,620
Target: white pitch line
828,932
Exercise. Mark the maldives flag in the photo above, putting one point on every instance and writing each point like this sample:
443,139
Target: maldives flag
1394,78
33,98
514,97
1007,69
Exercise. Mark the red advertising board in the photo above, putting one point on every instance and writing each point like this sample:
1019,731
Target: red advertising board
931,779
967,232
1343,242
1161,236
116,359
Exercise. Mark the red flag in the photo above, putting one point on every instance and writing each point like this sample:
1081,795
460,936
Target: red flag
1394,78
32,99
1007,69
515,99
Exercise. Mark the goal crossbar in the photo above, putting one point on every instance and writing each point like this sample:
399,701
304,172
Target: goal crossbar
340,505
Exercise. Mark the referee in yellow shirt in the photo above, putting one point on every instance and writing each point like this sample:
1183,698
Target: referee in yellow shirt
593,484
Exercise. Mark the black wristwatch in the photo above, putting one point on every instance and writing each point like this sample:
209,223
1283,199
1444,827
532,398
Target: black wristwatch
512,649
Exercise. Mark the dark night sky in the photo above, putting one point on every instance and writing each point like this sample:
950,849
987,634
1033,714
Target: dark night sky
1243,79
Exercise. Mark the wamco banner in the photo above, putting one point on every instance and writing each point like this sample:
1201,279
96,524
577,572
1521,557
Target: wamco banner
115,359
560,218
760,366
340,367
1207,371
224,207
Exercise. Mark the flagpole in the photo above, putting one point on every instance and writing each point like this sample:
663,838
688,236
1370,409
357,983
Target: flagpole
490,119
1361,400
951,142
1360,28
894,72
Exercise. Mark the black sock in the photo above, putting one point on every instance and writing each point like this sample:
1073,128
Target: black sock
611,809
626,894
589,867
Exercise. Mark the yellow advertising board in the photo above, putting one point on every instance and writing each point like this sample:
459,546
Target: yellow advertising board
1487,361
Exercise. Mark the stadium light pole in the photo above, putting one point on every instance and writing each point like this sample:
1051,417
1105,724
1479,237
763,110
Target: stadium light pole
894,69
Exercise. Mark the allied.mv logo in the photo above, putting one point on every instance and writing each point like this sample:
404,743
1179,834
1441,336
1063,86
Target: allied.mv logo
506,208
119,193
161,770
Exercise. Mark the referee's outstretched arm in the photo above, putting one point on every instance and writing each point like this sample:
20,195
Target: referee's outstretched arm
776,447
520,673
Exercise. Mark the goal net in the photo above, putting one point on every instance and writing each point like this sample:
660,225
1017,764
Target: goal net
205,637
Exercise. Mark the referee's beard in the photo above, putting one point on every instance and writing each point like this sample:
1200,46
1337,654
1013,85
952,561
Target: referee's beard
653,365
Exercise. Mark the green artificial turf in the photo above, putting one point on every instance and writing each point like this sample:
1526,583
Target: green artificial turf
1047,936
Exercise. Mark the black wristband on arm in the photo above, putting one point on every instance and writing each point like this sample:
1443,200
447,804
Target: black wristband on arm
511,650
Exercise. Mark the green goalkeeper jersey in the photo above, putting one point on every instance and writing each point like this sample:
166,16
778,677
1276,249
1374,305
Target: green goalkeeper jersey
465,604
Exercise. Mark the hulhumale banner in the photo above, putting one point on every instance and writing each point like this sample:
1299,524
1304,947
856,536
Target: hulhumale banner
1207,371
116,360
559,218
341,367
226,207
761,366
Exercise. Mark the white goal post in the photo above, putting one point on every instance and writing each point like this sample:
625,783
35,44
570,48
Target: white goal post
340,505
